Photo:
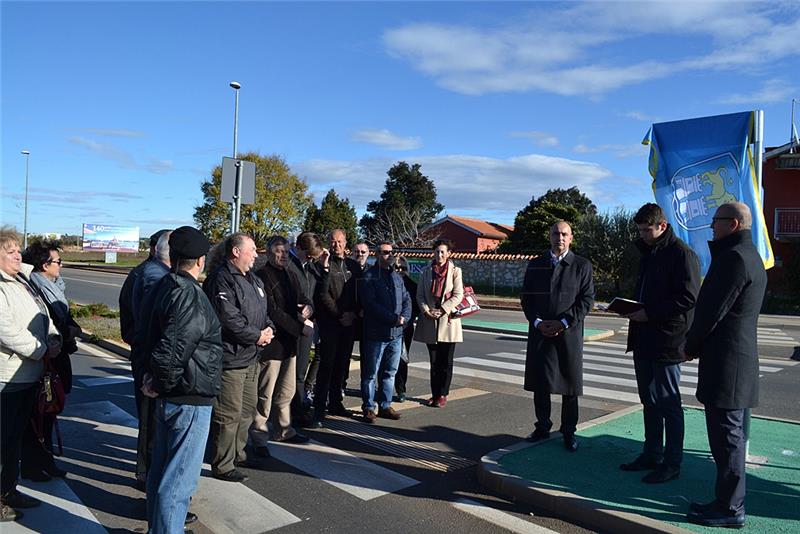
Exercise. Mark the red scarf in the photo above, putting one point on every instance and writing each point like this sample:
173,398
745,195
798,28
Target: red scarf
439,277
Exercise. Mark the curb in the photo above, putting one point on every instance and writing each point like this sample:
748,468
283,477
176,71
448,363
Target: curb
564,504
593,337
120,349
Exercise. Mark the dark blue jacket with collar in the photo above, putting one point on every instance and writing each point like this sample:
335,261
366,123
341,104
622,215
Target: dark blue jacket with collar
384,299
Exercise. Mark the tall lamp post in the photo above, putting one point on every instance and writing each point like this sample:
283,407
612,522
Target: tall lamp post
27,155
237,195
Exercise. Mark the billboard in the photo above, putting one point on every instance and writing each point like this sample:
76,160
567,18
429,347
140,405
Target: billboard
108,237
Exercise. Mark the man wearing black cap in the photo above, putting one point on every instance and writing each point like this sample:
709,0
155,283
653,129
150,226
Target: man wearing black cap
183,339
129,303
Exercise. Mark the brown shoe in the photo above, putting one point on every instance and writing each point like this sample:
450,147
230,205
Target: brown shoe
369,416
433,402
442,401
389,413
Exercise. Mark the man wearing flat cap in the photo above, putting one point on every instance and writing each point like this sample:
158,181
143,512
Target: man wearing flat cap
183,339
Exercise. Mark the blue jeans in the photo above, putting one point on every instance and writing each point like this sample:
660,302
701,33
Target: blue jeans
658,384
181,434
379,358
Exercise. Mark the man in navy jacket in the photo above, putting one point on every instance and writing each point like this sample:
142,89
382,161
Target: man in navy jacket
387,309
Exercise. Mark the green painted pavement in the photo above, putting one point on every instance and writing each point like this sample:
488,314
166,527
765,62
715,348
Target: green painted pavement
773,489
522,328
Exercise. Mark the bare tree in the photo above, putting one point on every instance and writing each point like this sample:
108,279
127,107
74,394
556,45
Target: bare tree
403,228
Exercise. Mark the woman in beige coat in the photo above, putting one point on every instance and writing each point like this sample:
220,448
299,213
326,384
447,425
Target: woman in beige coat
439,291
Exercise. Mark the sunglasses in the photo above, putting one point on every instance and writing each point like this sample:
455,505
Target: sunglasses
58,261
361,252
386,252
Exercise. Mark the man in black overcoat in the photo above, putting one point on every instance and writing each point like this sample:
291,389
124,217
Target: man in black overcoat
557,293
667,285
723,336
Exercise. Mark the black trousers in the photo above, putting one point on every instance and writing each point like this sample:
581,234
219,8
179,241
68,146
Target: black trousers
728,447
401,377
569,412
37,456
15,413
336,346
146,411
303,356
441,355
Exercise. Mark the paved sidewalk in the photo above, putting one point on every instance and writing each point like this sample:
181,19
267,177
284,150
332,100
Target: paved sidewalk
515,327
588,486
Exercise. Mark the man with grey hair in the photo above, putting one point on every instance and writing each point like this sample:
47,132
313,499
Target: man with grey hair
723,337
151,273
240,301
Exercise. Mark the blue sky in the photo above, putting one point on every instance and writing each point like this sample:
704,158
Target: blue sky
125,106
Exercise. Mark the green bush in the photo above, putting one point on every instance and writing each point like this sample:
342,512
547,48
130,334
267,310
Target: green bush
92,310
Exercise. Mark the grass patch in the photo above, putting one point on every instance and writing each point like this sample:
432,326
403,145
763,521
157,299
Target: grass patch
101,327
92,310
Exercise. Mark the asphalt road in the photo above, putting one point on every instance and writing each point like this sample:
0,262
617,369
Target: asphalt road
415,475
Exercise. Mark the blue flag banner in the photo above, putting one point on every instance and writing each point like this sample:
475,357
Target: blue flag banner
699,164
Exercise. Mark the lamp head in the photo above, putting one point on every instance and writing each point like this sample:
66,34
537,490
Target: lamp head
25,152
236,85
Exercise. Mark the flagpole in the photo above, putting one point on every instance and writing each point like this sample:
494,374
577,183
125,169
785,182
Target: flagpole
792,131
759,147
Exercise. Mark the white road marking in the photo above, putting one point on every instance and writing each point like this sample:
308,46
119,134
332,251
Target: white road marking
500,518
104,380
356,476
90,281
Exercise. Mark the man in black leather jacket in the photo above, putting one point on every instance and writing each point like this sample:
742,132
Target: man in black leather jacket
240,301
183,372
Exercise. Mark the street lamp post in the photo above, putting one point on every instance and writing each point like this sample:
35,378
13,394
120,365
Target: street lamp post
27,155
237,195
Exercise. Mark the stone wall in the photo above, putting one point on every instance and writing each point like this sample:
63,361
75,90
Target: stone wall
481,270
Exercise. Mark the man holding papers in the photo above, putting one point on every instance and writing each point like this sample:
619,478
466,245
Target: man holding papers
667,286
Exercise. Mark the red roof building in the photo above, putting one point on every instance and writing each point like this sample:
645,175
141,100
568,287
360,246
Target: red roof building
469,235
781,181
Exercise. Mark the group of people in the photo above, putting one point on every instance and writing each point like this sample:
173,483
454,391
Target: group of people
37,333
224,368
677,319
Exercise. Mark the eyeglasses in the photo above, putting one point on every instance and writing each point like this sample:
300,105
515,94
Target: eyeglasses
385,252
58,261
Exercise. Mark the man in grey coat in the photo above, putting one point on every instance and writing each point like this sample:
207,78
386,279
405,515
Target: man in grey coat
557,293
723,336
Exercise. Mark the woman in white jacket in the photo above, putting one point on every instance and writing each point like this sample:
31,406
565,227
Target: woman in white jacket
26,336
439,291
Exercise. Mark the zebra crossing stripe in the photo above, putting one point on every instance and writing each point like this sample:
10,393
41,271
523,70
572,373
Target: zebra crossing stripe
60,506
232,504
499,518
105,380
607,394
358,477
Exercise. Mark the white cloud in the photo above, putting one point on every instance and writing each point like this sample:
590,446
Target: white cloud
563,50
539,138
465,184
617,150
122,157
639,116
771,91
386,139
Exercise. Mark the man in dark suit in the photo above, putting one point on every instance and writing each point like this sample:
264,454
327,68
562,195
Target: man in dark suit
723,336
667,285
557,293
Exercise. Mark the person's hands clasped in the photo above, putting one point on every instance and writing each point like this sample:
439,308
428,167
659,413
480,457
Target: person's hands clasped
305,310
347,318
308,328
147,386
266,337
551,328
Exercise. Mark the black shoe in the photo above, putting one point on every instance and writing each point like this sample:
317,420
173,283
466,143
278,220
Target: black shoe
36,476
538,435
401,397
641,464
262,452
717,518
664,473
339,410
701,507
570,442
297,438
15,499
315,423
190,518
231,476
55,471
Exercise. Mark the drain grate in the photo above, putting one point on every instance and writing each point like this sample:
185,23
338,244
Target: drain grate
420,453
